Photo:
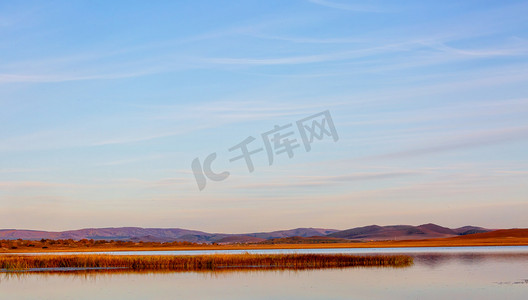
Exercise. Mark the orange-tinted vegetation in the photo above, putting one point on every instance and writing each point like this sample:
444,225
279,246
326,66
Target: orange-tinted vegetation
200,262
85,245
305,240
506,237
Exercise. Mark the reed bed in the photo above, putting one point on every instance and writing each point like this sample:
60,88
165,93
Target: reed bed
200,262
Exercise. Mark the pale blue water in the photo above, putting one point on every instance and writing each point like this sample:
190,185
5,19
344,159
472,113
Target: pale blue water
438,273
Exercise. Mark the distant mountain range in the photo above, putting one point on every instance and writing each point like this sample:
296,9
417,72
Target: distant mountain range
404,232
367,233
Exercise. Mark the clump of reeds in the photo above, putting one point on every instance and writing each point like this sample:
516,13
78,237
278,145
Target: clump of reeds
200,262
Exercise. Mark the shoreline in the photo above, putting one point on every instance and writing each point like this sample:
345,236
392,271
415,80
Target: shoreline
434,243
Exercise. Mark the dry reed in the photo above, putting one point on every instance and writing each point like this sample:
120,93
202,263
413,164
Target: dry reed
200,262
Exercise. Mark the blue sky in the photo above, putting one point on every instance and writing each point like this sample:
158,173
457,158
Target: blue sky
105,104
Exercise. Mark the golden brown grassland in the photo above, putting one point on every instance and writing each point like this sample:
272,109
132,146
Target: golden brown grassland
201,262
507,237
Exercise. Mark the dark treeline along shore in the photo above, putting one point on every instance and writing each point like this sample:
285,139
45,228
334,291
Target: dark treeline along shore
198,262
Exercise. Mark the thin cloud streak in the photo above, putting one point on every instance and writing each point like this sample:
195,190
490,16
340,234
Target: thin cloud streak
160,65
478,139
349,7
185,118
16,78
310,59
324,181
455,54
34,184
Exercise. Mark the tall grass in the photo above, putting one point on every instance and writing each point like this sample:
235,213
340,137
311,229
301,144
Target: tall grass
200,262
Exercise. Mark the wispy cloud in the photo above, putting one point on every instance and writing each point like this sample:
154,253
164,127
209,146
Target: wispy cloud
174,182
152,122
476,139
34,184
24,170
355,7
426,51
16,78
120,59
519,48
316,58
93,66
294,182
132,160
312,40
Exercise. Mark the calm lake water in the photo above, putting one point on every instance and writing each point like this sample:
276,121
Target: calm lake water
408,250
438,273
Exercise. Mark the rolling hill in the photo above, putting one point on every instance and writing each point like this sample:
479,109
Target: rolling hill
496,234
159,235
404,232
366,233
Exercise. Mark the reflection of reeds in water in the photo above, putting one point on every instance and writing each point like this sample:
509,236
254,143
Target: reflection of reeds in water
220,273
436,259
90,275
200,262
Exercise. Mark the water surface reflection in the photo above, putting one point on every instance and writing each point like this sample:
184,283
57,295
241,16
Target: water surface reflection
433,276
